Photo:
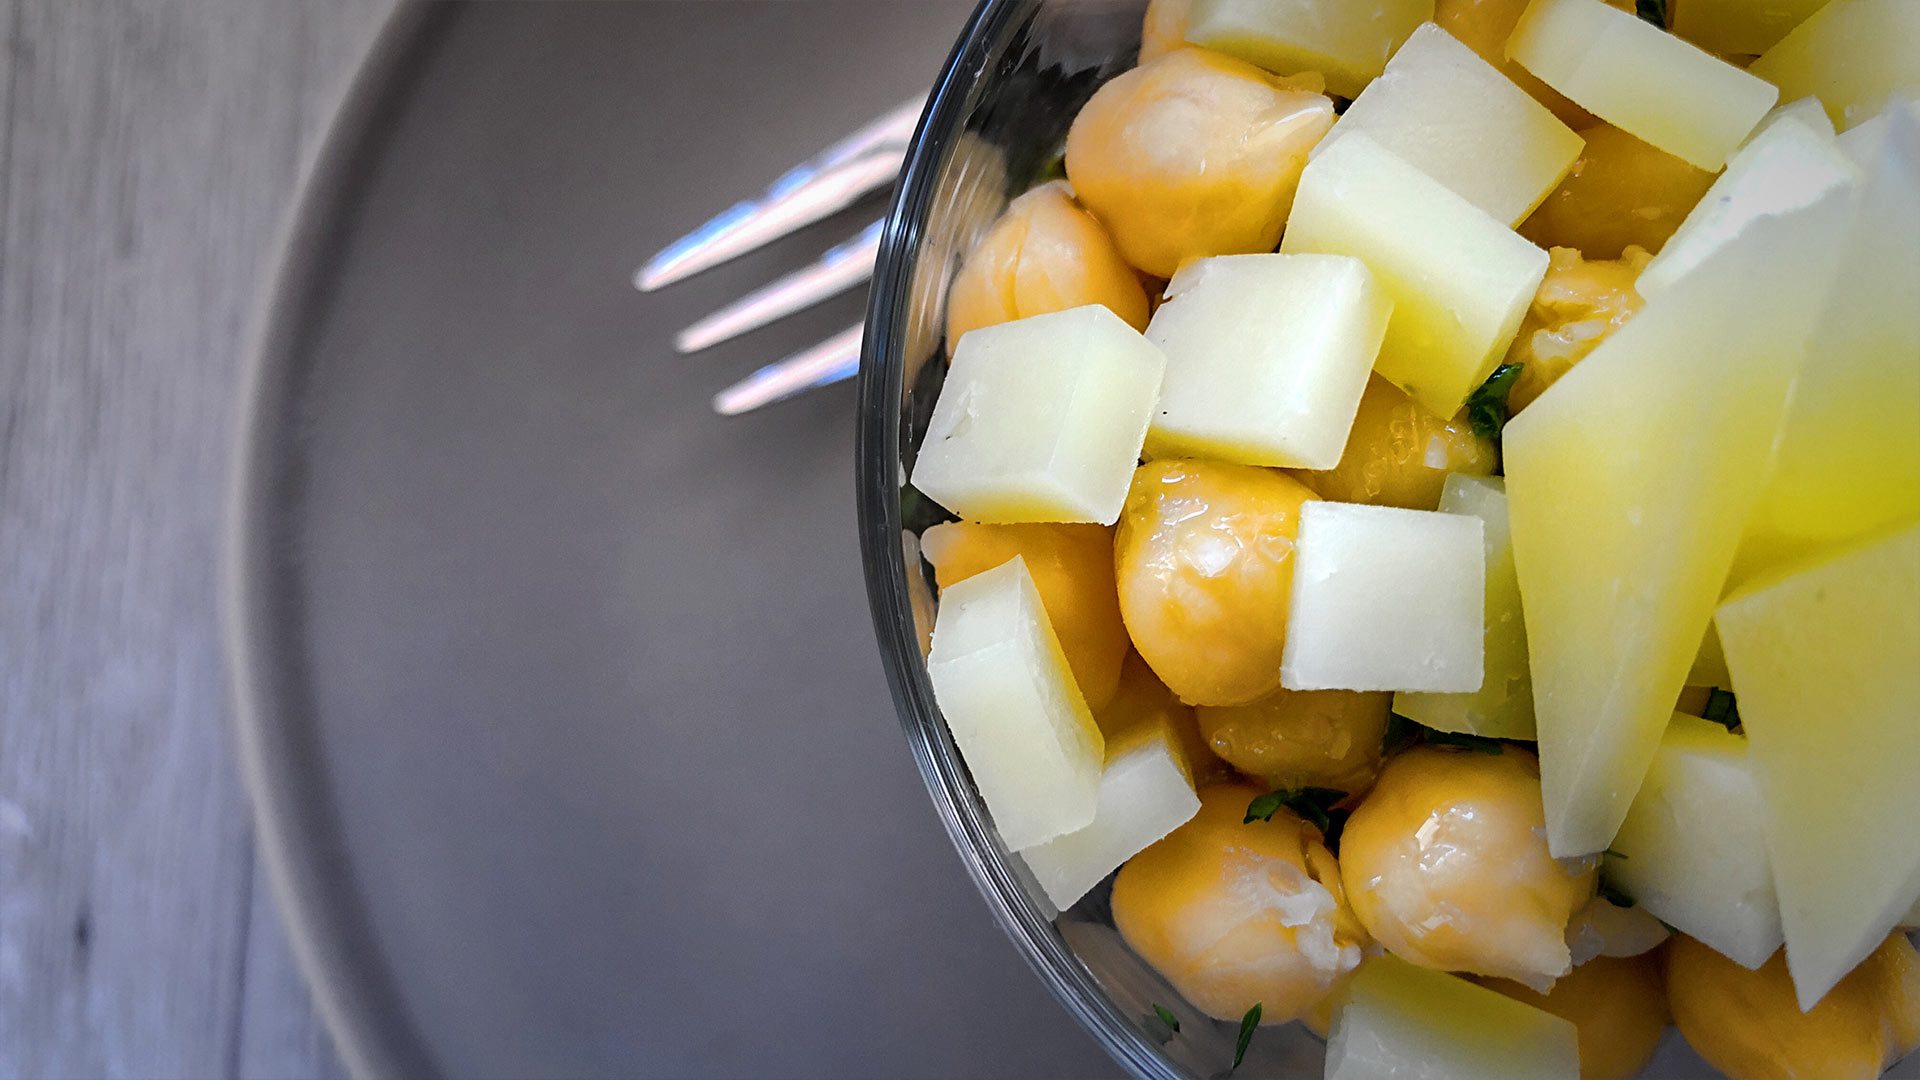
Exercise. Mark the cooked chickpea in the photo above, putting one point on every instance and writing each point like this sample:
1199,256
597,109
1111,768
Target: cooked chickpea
1193,154
1620,193
1399,454
1749,1024
1302,738
1579,304
1233,912
1044,254
1142,699
1072,567
1204,560
1165,28
1619,1007
1446,864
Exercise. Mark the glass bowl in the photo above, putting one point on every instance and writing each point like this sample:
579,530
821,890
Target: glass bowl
994,126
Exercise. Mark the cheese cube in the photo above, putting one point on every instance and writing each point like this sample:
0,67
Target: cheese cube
1042,419
1008,697
1627,504
1266,358
1740,27
1348,42
1641,79
1453,116
1145,793
1385,599
1402,1021
1790,164
1848,461
1854,55
1503,706
1806,110
1693,848
1824,660
1459,279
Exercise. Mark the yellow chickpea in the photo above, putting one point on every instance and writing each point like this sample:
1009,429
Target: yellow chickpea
1302,738
1620,192
1619,1007
1142,699
1072,566
1193,154
1233,912
1204,561
1044,254
1579,304
1399,454
1446,864
1165,28
1749,1024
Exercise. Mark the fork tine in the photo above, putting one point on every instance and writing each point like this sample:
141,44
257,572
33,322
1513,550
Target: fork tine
830,181
840,269
831,361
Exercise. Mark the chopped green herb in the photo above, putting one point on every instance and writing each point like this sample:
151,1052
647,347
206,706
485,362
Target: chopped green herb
1311,803
1336,828
1263,806
1247,1024
1612,854
1052,167
1167,1018
1479,744
1722,709
1612,895
1487,406
1653,11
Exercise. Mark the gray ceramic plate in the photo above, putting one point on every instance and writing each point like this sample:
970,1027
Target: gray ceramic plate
567,736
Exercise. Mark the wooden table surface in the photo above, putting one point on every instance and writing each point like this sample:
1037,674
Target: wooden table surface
148,154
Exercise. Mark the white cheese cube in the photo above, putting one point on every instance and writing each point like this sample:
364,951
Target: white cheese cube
1459,279
1145,793
1042,419
1401,1022
1641,79
1453,116
1266,358
1740,27
1385,599
1009,699
1854,55
1348,42
1693,848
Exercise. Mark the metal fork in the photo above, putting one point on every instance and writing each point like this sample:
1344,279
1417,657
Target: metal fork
827,183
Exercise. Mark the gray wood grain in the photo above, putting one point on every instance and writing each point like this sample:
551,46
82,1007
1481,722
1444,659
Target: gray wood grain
147,154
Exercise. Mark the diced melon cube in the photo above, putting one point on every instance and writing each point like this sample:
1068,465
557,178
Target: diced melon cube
1787,166
1385,599
1008,697
1641,79
1848,462
1348,42
1740,27
1503,706
1693,849
1854,55
1145,793
1266,358
1627,498
1826,661
1453,116
1459,279
1042,419
1401,1021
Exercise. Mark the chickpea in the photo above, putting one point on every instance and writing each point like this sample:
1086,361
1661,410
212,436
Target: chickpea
1399,454
1165,28
1579,304
1302,738
1044,254
1446,864
1749,1024
1072,566
1204,559
1619,1007
1620,192
1142,699
1193,154
1233,912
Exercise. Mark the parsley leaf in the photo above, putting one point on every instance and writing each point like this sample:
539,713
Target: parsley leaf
1653,11
1487,406
1167,1018
1612,854
1722,709
1247,1024
1612,895
1311,803
1262,808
